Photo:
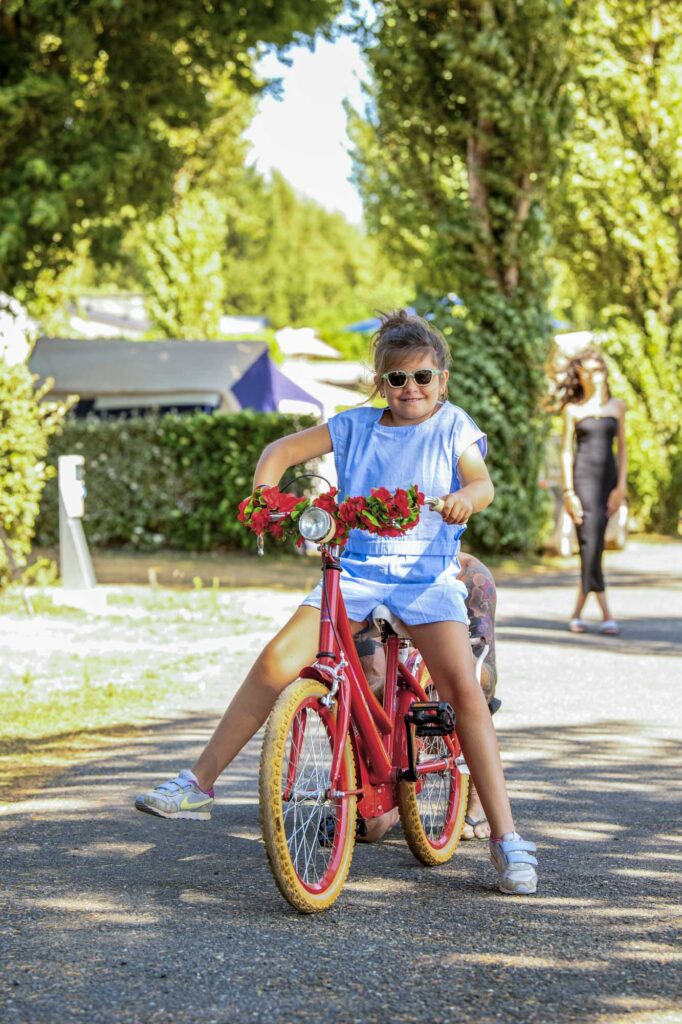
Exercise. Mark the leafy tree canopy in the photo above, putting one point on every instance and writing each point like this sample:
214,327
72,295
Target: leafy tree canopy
469,104
460,137
617,218
93,100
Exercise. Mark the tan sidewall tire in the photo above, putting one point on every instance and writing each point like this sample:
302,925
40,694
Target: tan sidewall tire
414,830
272,822
410,820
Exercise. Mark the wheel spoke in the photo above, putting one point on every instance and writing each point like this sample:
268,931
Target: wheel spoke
305,804
433,800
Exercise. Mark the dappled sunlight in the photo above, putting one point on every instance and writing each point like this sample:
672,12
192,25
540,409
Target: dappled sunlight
251,836
92,868
53,806
192,896
524,962
111,850
642,872
647,951
96,909
640,1011
584,832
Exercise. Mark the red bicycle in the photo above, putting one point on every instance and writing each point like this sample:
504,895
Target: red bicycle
332,751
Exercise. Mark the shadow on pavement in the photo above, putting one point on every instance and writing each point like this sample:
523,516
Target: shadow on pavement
638,636
181,921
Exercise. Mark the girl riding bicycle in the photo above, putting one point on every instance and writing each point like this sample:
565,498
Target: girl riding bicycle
419,437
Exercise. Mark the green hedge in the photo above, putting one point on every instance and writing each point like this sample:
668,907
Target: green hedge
170,481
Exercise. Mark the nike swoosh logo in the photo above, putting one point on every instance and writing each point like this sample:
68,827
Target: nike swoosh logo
187,804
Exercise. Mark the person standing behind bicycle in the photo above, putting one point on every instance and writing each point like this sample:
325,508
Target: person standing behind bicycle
480,600
419,437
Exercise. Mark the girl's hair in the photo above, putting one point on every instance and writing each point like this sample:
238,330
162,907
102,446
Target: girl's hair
401,333
569,389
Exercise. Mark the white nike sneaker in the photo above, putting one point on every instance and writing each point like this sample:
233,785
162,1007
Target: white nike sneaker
178,798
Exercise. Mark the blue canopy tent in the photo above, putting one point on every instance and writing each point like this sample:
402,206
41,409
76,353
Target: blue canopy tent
265,388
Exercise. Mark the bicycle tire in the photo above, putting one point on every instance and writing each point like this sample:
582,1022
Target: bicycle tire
433,837
308,861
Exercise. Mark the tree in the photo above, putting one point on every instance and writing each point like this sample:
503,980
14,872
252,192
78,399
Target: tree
181,266
299,264
617,217
26,424
468,106
93,98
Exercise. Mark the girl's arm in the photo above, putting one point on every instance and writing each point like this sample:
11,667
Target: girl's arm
281,455
476,492
571,500
617,495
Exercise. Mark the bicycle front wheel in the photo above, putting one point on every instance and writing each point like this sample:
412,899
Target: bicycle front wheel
309,834
432,810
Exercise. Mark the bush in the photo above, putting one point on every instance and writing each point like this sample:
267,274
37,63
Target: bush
26,423
170,481
646,374
497,376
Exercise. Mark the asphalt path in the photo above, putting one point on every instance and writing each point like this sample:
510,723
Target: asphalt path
113,916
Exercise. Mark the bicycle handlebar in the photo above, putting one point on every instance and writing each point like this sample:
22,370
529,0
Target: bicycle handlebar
435,504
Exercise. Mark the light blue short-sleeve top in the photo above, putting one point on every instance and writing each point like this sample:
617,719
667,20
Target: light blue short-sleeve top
368,455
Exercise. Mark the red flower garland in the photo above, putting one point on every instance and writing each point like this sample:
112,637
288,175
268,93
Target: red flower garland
384,513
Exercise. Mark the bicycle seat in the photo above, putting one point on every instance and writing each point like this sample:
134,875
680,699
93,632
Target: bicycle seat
383,614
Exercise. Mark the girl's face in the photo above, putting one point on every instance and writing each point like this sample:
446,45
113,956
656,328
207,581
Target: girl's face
413,403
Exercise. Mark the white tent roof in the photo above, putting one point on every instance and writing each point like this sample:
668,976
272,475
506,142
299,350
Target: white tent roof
301,341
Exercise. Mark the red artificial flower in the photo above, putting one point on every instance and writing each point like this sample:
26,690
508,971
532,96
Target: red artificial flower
401,503
269,496
327,501
259,520
241,514
381,493
288,502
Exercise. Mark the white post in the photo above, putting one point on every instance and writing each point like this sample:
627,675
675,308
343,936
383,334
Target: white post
75,564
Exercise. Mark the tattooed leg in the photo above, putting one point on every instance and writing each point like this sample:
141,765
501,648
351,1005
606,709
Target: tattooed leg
481,602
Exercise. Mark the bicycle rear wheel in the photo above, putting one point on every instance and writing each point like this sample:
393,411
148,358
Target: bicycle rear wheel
432,810
309,835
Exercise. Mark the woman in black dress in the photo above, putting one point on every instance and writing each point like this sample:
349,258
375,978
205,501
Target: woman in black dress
593,480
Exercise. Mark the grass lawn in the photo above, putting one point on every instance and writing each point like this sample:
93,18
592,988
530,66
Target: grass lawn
70,679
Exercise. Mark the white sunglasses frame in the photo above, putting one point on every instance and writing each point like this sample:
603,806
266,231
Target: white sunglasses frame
409,375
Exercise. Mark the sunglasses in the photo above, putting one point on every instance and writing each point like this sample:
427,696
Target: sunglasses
399,378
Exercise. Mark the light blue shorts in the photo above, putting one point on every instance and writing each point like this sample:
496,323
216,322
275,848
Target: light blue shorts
418,589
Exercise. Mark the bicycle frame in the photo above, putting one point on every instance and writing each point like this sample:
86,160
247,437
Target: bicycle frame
377,731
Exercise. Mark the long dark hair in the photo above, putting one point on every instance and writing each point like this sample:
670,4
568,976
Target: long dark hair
569,389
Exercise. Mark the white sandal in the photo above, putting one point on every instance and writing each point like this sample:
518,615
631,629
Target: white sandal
609,628
577,626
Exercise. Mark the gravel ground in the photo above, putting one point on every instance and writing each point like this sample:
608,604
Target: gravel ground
112,916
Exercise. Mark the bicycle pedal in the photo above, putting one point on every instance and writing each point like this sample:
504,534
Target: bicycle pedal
435,718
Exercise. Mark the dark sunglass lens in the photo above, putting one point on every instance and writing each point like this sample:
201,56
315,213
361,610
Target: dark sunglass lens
423,377
397,378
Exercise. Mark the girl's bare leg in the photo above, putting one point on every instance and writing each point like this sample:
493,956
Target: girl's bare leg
278,664
446,650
